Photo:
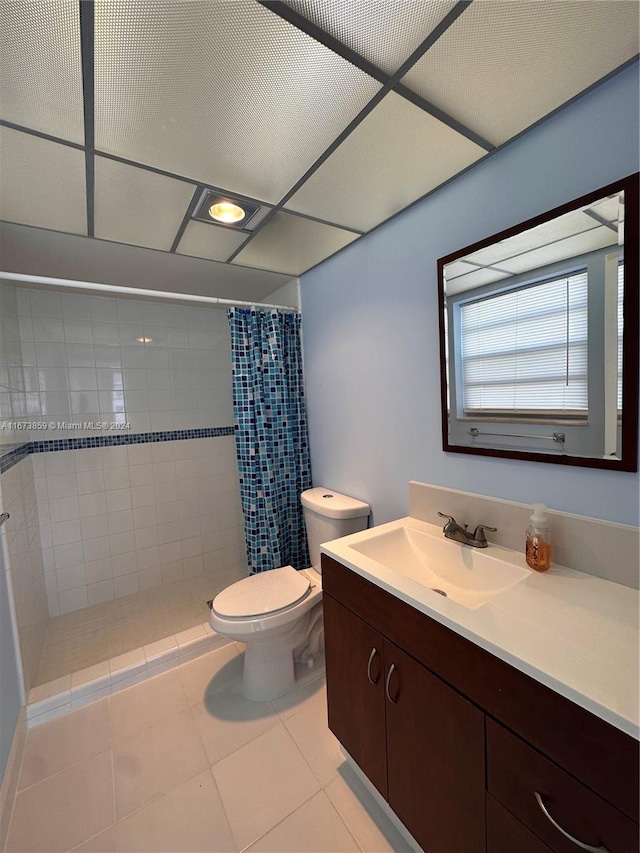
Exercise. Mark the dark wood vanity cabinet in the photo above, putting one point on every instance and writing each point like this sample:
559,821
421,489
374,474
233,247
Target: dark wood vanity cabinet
418,741
468,751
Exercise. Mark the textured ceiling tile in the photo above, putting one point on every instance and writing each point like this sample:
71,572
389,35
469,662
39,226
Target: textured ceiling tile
225,92
501,66
385,32
210,241
574,222
43,183
138,207
40,67
291,244
567,249
397,154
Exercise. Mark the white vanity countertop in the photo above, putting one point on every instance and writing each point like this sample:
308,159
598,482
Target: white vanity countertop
575,633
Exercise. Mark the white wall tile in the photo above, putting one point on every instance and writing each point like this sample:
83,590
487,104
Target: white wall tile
126,585
94,526
119,519
71,577
73,599
123,543
67,555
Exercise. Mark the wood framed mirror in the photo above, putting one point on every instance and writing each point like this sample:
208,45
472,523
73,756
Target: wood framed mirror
539,336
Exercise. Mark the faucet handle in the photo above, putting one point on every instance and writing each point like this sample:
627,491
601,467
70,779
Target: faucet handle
478,533
450,517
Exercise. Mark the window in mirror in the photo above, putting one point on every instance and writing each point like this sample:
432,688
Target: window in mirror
523,352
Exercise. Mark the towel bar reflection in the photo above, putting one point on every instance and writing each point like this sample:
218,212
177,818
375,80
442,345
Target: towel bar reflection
558,437
4,516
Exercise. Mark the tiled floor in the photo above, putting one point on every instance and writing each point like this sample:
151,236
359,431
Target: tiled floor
184,763
89,636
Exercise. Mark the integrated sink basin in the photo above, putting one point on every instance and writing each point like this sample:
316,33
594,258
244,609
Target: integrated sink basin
468,576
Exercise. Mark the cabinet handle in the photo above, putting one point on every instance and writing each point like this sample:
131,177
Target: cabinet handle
386,686
579,844
374,652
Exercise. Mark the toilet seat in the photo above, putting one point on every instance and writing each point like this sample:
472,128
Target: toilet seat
263,594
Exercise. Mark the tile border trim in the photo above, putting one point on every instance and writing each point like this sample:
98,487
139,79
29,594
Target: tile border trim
18,452
47,701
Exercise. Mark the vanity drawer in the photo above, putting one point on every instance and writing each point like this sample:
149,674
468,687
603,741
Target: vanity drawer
516,772
505,833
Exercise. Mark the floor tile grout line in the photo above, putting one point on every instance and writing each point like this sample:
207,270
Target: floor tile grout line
62,770
322,786
286,817
156,798
224,808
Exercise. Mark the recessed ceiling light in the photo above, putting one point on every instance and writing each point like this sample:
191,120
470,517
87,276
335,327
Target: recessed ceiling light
144,340
226,211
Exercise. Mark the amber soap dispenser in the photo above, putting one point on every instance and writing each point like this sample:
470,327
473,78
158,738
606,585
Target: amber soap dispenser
538,550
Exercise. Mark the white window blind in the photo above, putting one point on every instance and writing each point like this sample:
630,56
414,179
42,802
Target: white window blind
524,351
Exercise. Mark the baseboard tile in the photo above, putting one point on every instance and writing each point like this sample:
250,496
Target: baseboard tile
48,701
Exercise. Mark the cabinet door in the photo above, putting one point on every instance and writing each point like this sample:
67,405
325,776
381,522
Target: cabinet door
355,695
435,755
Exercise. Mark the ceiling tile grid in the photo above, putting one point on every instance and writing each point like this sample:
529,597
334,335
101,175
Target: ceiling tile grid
503,65
138,207
397,154
43,183
226,92
40,66
384,32
291,244
231,94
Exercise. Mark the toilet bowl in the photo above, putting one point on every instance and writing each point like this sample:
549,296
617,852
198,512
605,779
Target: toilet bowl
275,612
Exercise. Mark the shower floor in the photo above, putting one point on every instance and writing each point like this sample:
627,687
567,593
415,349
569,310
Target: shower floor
94,634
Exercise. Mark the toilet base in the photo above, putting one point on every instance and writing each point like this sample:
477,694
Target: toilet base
268,671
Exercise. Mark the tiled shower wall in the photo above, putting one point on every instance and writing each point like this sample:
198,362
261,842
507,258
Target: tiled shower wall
118,519
91,359
18,497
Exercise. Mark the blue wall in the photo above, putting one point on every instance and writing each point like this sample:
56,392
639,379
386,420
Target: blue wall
371,329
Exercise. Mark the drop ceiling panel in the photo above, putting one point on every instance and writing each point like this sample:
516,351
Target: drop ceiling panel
477,278
397,154
210,241
43,183
138,207
386,32
563,250
608,209
501,66
226,92
533,238
40,68
291,244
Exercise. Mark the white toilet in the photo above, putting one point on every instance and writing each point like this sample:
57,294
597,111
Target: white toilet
279,611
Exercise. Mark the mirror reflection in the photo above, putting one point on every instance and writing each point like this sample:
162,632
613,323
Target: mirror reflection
533,331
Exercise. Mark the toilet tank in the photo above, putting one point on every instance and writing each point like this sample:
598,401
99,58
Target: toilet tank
329,515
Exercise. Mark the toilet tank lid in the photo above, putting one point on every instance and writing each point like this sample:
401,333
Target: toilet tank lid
332,504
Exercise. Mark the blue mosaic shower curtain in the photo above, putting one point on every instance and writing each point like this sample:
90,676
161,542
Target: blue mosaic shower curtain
271,435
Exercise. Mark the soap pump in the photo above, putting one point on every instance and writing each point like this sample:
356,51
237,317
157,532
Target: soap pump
538,550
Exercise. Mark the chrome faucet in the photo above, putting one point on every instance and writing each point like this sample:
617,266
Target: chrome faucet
477,539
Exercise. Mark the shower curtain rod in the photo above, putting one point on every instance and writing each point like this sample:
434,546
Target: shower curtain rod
138,291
